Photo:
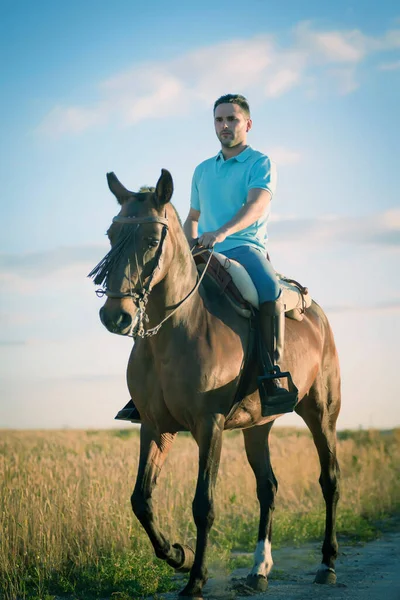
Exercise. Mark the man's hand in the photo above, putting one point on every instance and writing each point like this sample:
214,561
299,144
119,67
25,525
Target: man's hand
209,239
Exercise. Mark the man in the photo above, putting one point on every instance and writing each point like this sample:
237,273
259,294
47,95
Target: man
229,210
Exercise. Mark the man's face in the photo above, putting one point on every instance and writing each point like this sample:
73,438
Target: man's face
231,125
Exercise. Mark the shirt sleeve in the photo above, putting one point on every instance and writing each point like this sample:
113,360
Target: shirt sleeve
263,175
194,196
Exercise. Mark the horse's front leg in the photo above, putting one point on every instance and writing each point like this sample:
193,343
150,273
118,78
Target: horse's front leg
153,452
208,435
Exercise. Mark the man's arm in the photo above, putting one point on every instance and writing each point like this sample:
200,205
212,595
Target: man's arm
190,226
255,207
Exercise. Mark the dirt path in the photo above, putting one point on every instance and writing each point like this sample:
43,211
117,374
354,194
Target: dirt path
364,572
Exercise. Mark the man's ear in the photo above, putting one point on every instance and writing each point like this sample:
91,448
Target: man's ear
164,187
249,124
119,190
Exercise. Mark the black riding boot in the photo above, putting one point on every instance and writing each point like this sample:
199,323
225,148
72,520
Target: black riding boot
275,399
128,413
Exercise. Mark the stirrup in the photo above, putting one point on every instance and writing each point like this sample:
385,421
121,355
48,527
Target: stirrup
128,413
284,401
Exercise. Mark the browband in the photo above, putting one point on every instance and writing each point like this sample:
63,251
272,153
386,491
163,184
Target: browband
138,220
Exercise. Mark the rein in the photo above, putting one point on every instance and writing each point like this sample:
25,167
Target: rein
140,298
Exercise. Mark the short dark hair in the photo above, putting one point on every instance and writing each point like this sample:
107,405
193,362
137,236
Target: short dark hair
234,99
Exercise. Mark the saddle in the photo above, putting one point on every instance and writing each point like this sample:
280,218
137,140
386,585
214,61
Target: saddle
232,279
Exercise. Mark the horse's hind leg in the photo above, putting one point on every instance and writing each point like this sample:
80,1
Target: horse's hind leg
153,452
320,410
257,450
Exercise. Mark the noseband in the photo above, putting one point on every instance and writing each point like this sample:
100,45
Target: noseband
140,297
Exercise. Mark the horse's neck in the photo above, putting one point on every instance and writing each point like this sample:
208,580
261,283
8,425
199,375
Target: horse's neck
180,279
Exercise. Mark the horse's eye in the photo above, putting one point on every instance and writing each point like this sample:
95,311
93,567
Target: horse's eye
153,243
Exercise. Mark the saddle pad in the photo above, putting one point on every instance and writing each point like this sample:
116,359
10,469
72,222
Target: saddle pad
294,301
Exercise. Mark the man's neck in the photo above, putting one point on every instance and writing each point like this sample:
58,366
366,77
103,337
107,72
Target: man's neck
231,152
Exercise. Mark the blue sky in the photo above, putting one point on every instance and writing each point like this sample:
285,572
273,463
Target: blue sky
89,87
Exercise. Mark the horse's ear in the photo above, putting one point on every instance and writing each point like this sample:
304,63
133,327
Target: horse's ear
164,187
119,190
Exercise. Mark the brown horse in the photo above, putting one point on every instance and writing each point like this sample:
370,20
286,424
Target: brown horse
185,374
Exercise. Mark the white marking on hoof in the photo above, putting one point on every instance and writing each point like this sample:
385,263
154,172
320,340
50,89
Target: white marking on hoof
322,567
262,559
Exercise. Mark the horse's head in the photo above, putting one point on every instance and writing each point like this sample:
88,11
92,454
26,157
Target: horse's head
139,255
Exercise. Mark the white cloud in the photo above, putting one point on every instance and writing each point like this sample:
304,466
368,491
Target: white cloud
389,41
26,273
391,66
168,88
391,219
40,264
382,229
343,46
160,104
222,66
339,49
73,119
331,46
281,82
259,66
386,307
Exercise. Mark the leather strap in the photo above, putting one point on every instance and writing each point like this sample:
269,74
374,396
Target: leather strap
140,220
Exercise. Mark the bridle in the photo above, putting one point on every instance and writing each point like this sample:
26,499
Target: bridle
140,297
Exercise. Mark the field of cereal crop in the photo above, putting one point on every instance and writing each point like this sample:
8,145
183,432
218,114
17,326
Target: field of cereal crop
67,527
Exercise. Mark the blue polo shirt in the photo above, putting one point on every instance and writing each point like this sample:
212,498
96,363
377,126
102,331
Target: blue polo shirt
220,188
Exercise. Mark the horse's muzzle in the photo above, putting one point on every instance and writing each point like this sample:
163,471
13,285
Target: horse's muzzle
116,322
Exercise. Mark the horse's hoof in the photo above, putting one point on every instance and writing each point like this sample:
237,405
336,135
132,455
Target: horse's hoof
259,583
325,576
187,558
191,591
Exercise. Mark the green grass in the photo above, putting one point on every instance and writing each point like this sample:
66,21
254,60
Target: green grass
130,573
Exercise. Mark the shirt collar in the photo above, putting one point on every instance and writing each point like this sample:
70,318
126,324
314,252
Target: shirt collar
244,155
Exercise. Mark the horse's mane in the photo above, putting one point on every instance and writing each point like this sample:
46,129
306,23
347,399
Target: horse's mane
177,215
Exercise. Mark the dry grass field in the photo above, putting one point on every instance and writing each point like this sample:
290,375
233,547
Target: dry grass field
67,527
